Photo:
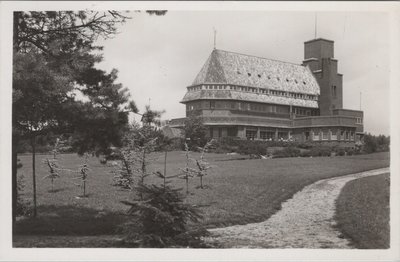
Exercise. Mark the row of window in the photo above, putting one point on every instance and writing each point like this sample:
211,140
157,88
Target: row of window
324,135
261,75
234,105
253,90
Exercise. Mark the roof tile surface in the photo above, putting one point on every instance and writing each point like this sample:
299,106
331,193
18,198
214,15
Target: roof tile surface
238,69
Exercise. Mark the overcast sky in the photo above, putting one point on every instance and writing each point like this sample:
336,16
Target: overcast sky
159,56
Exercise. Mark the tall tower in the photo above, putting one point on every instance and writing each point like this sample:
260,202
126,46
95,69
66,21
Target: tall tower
318,55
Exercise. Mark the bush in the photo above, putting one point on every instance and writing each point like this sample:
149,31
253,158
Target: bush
340,151
320,151
161,219
306,153
287,152
252,148
350,151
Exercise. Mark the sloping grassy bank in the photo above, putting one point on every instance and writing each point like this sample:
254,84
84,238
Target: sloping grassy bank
363,212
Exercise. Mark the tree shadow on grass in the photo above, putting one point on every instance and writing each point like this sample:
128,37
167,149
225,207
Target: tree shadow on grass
70,220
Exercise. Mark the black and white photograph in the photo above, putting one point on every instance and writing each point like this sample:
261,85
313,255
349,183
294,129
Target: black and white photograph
223,131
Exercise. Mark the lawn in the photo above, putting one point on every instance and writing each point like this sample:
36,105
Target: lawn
237,191
363,212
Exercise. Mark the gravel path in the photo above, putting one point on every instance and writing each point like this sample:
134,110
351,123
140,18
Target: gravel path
305,221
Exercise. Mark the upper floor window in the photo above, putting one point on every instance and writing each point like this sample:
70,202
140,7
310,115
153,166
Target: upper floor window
212,104
358,120
334,91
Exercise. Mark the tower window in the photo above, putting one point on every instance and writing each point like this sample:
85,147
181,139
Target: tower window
334,93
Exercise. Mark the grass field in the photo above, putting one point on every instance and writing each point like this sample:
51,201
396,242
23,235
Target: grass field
363,212
237,192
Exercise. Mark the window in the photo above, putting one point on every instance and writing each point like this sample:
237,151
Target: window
325,135
358,120
212,104
342,135
232,105
334,135
282,135
316,136
251,134
211,132
259,76
248,74
334,93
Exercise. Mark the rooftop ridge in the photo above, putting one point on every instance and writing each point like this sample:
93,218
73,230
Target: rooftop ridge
260,57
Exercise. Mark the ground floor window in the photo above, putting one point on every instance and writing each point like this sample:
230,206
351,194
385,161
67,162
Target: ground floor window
283,135
333,135
307,136
347,135
316,136
342,135
267,135
325,135
251,134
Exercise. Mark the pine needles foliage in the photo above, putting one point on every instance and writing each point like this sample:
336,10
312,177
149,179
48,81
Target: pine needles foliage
161,219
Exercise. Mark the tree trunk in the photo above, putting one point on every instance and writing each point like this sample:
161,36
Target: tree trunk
14,181
201,182
165,168
187,184
84,188
33,144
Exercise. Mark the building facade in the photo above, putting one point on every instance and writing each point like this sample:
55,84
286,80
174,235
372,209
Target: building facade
251,97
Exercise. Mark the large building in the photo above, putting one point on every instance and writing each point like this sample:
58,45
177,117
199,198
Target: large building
251,97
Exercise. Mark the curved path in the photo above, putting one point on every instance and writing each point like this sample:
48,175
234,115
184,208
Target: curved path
305,221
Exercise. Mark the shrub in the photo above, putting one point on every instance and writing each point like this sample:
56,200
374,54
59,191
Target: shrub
161,219
306,153
340,151
287,152
252,148
350,151
320,151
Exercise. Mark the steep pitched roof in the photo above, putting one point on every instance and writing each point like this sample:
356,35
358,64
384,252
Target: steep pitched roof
224,67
